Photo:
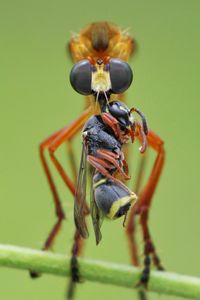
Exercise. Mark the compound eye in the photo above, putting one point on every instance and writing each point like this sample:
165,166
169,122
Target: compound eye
81,77
121,75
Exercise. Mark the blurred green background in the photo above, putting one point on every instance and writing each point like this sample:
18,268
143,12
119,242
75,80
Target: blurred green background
37,99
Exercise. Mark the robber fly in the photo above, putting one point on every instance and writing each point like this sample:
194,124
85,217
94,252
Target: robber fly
100,53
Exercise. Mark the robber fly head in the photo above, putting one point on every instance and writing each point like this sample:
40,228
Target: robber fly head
112,76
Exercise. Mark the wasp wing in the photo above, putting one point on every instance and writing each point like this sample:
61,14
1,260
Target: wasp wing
97,216
80,206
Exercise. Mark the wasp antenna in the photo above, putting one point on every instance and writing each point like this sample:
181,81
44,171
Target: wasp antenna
143,137
144,121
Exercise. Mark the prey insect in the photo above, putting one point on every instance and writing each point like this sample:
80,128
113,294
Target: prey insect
101,72
103,138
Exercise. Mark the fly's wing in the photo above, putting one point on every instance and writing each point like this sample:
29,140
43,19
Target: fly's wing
80,206
97,217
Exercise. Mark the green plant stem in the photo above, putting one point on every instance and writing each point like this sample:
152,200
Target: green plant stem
99,271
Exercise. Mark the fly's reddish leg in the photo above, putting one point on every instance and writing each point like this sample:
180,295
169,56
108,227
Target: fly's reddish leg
131,225
75,276
142,208
52,143
140,175
58,207
72,160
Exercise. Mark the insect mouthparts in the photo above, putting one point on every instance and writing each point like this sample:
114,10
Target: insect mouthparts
100,61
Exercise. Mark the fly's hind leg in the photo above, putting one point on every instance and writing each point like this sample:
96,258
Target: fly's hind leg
142,207
146,195
76,251
74,269
51,144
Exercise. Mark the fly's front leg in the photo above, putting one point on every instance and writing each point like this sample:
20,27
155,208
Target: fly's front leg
142,209
58,207
51,144
65,136
72,160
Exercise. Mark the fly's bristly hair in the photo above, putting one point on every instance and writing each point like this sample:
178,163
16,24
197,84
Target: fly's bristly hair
100,79
100,40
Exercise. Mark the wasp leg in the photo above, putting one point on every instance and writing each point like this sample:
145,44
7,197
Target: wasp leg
142,137
52,143
107,155
112,123
142,209
100,165
112,154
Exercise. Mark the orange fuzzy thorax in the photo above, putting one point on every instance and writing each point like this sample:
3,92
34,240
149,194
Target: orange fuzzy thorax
101,40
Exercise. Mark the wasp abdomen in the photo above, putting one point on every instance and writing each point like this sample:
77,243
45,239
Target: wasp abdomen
112,198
